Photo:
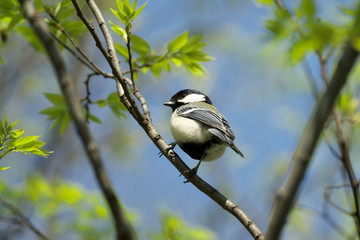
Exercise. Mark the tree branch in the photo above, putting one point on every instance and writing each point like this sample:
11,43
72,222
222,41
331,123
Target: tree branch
39,26
22,219
302,156
344,149
149,128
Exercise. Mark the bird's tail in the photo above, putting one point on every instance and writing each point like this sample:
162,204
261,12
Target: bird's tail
236,149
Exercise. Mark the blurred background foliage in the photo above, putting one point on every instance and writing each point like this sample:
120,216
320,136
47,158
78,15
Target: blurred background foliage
264,77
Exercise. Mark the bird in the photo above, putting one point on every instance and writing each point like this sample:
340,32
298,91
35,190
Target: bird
199,128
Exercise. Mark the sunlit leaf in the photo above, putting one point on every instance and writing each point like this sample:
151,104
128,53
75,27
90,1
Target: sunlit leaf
156,69
307,7
268,2
119,30
94,118
123,51
55,98
138,11
301,47
17,133
139,45
60,112
31,37
178,42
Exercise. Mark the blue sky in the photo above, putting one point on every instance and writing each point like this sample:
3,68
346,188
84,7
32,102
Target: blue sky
266,101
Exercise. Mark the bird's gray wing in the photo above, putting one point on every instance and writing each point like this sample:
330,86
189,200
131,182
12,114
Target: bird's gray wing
212,119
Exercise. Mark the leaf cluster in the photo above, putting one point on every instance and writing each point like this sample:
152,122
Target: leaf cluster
114,103
181,50
174,228
307,32
60,112
68,210
13,141
63,19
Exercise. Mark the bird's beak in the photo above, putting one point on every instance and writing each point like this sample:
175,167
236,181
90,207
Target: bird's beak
169,104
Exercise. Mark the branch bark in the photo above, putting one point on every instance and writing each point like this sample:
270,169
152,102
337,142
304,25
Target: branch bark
145,122
307,144
21,219
122,227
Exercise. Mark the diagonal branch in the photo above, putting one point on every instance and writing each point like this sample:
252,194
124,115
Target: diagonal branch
151,131
39,26
344,149
302,156
22,219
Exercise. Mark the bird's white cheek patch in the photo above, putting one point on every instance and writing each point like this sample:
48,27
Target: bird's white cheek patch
193,98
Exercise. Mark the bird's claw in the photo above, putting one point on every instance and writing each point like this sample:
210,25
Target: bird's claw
189,174
167,149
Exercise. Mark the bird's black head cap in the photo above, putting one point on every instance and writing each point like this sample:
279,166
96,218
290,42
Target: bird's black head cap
186,96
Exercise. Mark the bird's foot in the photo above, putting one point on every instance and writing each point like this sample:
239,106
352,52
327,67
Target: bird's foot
167,149
189,174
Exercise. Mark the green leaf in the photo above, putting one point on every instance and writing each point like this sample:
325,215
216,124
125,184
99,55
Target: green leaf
199,56
301,47
2,129
308,8
29,144
176,61
4,168
116,106
126,7
133,6
156,69
31,37
64,121
120,4
120,16
138,11
119,30
11,126
139,45
196,69
194,43
94,118
178,42
55,98
101,103
14,21
268,2
165,64
60,112
123,51
17,133
348,104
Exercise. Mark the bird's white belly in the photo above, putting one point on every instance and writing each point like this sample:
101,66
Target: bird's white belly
188,130
214,152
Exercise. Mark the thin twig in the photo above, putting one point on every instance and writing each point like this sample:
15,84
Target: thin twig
328,199
326,217
87,97
153,134
306,146
311,79
73,53
66,83
89,63
135,90
21,219
279,4
344,148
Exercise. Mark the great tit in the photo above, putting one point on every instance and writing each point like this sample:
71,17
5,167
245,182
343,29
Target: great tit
198,127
